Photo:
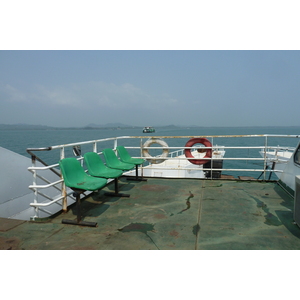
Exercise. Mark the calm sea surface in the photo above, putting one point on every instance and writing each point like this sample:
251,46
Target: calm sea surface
19,140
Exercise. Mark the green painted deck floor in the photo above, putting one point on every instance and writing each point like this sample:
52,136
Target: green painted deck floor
169,214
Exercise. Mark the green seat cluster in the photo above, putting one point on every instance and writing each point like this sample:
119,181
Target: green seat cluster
98,172
79,181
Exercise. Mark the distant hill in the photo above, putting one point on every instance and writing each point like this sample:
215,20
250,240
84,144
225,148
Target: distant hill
108,125
43,127
89,126
23,126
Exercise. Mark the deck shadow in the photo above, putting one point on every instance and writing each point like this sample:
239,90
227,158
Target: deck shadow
287,220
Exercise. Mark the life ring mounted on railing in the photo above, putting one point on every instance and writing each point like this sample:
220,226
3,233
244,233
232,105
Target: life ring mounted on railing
191,143
162,157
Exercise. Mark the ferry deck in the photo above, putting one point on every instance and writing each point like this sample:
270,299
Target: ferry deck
168,214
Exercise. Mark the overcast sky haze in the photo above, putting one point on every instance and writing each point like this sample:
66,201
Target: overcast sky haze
150,88
205,88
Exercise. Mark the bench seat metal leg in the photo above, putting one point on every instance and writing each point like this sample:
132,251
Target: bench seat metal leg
78,220
116,192
136,178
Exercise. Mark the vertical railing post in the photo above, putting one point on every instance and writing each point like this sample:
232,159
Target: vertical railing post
63,186
95,147
212,161
35,200
115,143
141,155
265,156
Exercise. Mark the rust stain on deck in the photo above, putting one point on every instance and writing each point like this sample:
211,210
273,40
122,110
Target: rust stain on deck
160,216
9,243
174,233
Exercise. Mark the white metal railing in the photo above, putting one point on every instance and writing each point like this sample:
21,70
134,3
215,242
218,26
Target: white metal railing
41,199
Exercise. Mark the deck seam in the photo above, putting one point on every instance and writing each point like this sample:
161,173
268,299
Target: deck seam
199,216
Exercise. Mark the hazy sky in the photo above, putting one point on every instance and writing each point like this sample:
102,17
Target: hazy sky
149,87
206,88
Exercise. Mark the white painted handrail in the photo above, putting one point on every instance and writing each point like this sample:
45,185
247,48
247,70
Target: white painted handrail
96,147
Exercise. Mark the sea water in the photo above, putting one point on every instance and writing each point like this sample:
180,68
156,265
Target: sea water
19,140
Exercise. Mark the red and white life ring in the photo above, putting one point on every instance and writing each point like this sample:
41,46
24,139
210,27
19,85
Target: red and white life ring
191,143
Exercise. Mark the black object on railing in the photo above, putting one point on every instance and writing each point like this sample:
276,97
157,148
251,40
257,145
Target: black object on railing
34,157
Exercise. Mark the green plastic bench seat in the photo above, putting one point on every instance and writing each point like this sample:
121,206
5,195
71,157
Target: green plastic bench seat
97,168
126,158
75,177
113,162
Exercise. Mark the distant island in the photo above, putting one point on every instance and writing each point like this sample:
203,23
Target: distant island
87,127
93,126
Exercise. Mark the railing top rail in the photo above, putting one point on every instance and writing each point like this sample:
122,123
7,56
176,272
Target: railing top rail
160,137
213,136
